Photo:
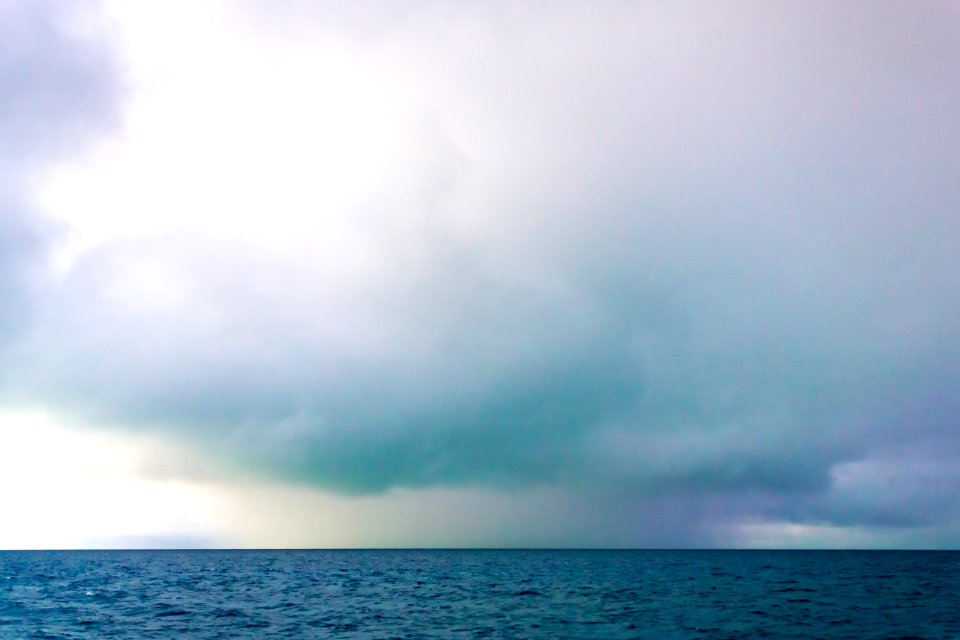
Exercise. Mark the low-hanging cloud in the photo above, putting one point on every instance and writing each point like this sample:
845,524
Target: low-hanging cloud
656,249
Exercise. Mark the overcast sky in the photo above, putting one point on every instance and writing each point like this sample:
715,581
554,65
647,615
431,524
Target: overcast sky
426,273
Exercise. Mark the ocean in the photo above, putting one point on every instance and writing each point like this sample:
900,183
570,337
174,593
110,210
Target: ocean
385,594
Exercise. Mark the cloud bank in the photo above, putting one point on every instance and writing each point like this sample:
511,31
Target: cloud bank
650,254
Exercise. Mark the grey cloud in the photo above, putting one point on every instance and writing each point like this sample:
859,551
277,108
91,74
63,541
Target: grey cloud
695,252
57,88
60,82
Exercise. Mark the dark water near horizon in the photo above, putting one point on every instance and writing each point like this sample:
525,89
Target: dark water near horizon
659,595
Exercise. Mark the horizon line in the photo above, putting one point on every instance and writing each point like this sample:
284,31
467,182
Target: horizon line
545,549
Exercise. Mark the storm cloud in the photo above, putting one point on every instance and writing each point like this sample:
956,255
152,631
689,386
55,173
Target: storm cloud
645,253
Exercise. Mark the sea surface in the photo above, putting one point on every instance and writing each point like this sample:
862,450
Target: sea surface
658,595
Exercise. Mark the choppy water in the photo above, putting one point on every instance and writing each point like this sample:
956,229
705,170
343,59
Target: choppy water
479,594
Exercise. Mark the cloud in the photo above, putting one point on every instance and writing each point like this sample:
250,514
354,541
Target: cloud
679,252
58,86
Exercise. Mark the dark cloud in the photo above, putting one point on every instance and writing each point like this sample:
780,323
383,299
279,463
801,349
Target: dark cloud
696,254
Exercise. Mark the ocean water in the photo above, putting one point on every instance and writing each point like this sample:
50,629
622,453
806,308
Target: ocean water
479,594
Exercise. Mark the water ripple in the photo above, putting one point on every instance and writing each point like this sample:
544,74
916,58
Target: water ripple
662,595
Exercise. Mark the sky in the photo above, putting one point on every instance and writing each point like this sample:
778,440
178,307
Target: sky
479,274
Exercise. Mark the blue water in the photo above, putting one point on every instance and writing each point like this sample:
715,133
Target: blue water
479,594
